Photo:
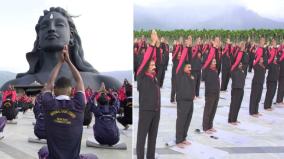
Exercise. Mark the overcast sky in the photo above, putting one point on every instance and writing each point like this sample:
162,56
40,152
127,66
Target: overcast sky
273,9
105,28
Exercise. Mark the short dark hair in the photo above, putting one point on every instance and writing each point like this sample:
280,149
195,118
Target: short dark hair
63,82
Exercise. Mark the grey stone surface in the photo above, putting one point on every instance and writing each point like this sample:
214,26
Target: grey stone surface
15,144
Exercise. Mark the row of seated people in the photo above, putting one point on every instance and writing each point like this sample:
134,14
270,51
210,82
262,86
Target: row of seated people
105,105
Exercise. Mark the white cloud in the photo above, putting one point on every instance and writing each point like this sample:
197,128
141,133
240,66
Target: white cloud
105,28
272,9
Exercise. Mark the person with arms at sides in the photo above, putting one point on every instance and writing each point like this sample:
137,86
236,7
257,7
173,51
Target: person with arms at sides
63,116
238,83
149,101
258,79
185,96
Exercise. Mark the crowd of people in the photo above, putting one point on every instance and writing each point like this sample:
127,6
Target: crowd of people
194,62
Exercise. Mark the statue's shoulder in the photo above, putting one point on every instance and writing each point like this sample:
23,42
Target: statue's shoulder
96,79
24,80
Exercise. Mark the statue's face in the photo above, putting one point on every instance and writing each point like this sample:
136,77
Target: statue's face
54,32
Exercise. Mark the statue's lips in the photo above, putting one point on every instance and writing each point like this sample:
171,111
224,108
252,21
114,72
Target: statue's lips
51,37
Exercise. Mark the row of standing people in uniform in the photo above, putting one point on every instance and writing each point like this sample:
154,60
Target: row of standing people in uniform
189,62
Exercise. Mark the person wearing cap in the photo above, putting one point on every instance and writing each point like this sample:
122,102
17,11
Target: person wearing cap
185,91
149,101
238,83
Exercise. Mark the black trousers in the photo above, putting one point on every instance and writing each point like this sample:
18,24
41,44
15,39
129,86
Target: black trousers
41,134
236,101
280,91
251,58
127,118
245,66
211,103
173,89
148,124
202,77
184,115
271,89
197,76
255,96
225,79
167,62
161,82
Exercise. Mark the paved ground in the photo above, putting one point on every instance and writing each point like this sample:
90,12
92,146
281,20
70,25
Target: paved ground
15,144
254,138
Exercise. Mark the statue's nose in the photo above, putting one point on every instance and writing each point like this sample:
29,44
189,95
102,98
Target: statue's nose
51,27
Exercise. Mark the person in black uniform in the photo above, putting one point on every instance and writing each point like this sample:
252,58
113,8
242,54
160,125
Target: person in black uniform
245,61
212,88
185,95
175,59
126,104
251,52
272,76
271,83
163,57
226,65
258,79
280,91
149,101
238,84
246,56
212,92
256,88
196,64
237,93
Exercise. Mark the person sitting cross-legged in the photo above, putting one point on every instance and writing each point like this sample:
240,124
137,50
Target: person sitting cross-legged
63,115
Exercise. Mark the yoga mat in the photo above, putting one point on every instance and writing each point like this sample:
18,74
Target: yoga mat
252,127
201,151
231,138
